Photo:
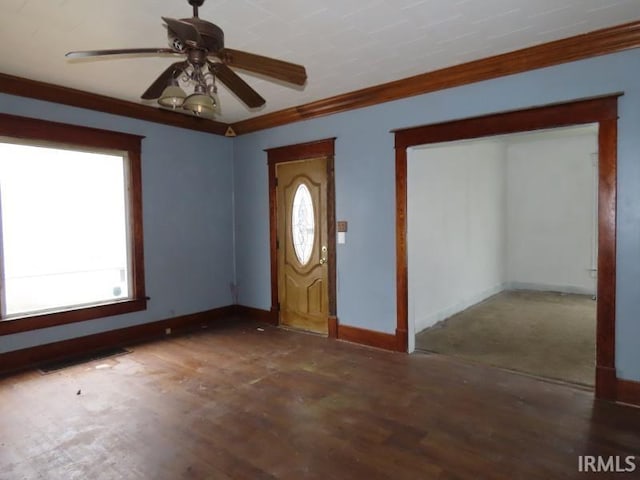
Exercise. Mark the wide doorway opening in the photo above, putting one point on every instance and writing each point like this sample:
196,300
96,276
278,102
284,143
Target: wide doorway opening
602,111
502,253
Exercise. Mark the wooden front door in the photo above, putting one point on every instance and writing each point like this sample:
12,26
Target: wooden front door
302,244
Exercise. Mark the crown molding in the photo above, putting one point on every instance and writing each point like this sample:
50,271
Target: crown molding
24,87
598,42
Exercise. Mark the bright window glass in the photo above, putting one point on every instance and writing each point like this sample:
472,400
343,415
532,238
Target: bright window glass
64,228
302,224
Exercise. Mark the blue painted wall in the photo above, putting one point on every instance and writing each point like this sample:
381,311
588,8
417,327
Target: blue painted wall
365,187
187,219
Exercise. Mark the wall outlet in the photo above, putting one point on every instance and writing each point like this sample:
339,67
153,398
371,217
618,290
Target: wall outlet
167,331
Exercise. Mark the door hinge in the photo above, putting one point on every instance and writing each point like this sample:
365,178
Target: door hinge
276,181
277,244
278,306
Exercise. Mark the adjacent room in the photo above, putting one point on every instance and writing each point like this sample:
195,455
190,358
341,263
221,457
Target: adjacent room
503,251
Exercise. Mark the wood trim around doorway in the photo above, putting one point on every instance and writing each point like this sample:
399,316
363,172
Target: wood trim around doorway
604,112
291,153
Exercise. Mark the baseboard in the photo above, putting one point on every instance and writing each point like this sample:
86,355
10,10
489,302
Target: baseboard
257,314
386,341
628,391
543,287
31,357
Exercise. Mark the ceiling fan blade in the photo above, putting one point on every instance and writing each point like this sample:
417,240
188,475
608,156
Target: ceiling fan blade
121,51
237,85
184,31
278,69
157,87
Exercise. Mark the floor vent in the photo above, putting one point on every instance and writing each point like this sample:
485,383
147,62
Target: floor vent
80,359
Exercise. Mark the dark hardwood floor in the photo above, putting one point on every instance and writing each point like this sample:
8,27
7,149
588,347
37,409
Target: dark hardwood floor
250,401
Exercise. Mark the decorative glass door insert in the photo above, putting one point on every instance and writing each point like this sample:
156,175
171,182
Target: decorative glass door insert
302,224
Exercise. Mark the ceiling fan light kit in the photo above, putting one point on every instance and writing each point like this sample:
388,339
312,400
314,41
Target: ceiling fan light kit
172,96
200,103
207,60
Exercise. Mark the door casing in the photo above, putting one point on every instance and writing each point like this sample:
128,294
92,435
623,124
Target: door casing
292,153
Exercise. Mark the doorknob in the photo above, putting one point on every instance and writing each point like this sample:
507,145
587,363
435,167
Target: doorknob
323,255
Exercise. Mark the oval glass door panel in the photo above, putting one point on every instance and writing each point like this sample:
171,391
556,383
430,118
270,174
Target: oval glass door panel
303,224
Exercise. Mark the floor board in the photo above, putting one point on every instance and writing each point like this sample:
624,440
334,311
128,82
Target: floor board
236,402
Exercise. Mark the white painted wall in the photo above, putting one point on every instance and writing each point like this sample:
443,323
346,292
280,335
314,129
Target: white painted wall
456,229
551,213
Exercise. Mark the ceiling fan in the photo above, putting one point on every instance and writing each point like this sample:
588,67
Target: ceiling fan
207,60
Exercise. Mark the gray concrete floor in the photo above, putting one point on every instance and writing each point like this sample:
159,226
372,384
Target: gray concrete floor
546,334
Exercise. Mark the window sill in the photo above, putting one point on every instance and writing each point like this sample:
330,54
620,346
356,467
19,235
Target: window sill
53,319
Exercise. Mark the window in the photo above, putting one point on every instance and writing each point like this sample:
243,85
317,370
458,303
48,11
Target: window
70,224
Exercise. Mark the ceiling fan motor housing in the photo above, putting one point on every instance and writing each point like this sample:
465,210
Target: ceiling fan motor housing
212,35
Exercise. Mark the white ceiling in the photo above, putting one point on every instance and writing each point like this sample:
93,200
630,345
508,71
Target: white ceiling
344,44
